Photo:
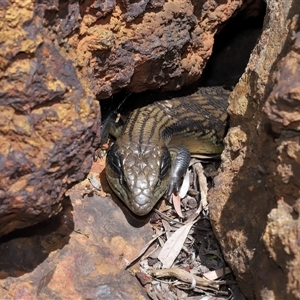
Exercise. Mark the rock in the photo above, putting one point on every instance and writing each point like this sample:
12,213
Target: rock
79,254
49,122
146,44
255,202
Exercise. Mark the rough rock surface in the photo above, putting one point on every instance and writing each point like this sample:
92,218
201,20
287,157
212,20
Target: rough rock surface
79,254
146,44
255,203
48,122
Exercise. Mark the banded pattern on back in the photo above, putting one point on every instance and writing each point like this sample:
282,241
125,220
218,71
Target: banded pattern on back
152,152
194,115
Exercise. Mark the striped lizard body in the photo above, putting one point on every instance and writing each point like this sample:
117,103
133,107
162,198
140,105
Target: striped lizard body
152,153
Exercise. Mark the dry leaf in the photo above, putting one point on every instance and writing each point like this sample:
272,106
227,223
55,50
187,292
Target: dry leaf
173,245
181,294
143,278
212,275
144,249
185,185
165,206
167,228
176,202
95,182
182,193
203,184
207,156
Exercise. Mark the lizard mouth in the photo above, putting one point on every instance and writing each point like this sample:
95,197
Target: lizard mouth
141,204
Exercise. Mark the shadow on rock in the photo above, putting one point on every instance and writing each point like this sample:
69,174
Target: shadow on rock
24,249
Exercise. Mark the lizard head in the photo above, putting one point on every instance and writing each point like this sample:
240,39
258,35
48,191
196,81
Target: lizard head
138,174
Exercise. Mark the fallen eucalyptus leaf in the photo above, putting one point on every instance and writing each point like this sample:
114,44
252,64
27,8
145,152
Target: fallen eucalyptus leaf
144,249
173,245
212,275
176,202
185,185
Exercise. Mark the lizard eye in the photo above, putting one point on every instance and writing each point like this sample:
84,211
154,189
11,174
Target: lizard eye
114,161
165,163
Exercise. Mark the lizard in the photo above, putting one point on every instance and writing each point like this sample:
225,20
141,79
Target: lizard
152,149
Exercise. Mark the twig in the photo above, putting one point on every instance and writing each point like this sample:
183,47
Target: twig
187,277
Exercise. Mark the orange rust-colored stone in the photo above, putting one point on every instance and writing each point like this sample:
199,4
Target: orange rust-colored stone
49,123
79,254
147,44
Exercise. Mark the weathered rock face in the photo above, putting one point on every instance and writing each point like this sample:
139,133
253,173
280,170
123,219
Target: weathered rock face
147,44
282,234
49,123
255,202
54,260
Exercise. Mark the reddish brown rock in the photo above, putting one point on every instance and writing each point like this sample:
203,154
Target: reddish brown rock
79,254
49,124
282,234
147,44
255,203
